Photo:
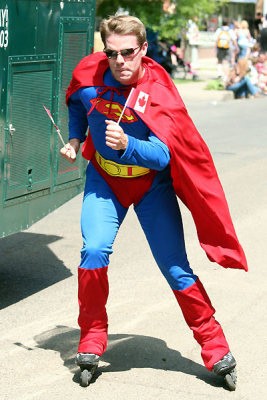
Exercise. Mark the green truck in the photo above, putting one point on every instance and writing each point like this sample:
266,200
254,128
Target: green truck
40,44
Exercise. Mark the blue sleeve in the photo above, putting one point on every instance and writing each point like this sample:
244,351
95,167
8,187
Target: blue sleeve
78,123
151,153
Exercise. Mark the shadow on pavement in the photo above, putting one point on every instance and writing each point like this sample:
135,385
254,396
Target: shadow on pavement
27,265
124,353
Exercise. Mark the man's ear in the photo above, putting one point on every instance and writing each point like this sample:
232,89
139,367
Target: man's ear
144,48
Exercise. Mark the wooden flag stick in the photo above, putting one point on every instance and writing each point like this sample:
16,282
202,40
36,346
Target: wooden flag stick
58,131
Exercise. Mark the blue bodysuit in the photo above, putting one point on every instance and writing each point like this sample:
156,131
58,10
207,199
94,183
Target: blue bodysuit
157,210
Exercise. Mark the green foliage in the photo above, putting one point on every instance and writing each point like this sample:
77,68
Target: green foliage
215,84
151,13
172,25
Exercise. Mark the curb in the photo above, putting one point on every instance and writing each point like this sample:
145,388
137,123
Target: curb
196,91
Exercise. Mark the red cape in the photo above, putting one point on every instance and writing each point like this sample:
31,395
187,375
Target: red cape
195,179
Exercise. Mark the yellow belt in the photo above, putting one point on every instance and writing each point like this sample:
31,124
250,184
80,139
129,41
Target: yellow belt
123,171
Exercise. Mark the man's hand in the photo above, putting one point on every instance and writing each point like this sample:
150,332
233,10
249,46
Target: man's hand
70,150
115,136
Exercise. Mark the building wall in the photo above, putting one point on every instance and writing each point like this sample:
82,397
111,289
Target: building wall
259,6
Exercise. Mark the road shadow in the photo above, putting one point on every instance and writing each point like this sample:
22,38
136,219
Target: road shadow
123,353
27,265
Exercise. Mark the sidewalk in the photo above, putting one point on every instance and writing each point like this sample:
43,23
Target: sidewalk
195,90
151,352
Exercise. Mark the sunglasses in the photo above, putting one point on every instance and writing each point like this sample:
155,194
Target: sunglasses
126,53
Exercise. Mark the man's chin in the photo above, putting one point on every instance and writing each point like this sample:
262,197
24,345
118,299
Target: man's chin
125,80
123,77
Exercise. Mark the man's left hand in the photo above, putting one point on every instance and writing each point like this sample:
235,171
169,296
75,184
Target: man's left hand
115,136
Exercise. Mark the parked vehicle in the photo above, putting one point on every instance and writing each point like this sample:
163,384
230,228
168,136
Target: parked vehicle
40,44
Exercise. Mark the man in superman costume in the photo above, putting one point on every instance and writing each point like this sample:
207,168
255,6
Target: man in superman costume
152,155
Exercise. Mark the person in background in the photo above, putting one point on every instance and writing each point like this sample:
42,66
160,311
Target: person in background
192,34
244,40
263,35
235,48
253,73
258,25
225,41
261,67
239,82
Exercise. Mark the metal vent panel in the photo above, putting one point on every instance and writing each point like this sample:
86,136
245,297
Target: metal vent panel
75,43
27,166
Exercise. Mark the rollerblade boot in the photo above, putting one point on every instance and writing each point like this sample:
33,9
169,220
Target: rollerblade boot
88,364
226,368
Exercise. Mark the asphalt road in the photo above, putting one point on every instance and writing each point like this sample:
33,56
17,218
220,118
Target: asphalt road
151,352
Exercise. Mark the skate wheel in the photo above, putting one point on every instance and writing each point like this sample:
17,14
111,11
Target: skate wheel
86,376
230,380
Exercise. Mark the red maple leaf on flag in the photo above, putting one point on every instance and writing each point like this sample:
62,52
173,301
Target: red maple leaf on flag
142,101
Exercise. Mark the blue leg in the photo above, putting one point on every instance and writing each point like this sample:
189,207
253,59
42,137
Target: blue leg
159,215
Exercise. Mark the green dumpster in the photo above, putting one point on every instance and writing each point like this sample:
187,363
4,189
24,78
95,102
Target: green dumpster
40,44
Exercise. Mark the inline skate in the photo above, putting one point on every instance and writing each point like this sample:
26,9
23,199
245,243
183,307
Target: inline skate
226,368
88,364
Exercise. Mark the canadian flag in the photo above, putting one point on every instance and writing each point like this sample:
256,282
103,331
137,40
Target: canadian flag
138,100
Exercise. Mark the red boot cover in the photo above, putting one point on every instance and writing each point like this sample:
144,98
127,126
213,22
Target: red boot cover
92,295
198,313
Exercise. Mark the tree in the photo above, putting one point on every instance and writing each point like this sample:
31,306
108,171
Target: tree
150,11
167,24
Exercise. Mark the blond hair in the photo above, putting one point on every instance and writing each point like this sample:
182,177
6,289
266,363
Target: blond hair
244,24
123,25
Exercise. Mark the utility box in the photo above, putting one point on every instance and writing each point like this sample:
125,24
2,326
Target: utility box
41,42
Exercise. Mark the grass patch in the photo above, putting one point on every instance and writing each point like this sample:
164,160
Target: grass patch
184,81
215,84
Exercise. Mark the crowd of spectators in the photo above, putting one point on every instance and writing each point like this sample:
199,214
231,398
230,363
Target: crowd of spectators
242,59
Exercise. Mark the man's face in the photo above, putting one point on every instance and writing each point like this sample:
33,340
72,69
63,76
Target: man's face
126,70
